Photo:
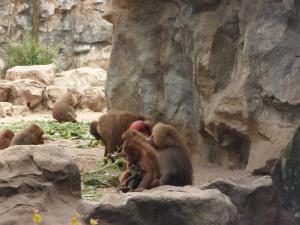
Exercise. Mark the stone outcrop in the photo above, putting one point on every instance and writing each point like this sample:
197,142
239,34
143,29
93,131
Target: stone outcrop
225,72
256,201
81,78
42,73
42,177
75,27
165,205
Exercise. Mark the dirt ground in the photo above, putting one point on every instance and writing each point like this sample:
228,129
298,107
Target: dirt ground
89,159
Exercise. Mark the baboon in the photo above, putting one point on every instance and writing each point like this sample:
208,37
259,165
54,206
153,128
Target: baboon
174,157
142,158
134,175
5,138
143,126
93,130
63,109
110,128
31,135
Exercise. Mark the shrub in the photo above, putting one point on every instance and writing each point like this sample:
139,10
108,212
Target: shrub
29,52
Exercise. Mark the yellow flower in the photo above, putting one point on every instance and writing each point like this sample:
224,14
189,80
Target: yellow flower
74,220
37,218
93,222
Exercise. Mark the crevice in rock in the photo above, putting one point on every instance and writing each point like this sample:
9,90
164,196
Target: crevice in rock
231,148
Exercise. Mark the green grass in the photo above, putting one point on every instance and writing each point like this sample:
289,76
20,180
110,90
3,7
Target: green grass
105,177
55,129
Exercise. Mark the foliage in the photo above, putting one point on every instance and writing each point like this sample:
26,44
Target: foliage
57,130
107,176
29,52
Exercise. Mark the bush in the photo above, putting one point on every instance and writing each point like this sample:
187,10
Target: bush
29,52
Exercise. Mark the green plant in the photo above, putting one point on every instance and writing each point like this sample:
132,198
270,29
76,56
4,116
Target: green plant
29,52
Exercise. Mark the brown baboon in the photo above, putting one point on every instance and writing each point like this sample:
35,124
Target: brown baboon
93,130
110,128
142,163
32,135
63,109
174,157
5,138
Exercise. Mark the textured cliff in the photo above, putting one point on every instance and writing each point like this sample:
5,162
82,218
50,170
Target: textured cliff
83,37
225,71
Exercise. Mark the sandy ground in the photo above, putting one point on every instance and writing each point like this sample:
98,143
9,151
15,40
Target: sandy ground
90,159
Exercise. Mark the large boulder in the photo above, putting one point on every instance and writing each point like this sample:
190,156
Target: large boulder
28,92
227,78
52,93
94,99
164,205
81,78
256,200
41,73
42,177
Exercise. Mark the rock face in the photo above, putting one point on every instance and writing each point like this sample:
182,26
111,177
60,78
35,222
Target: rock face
80,78
256,201
43,177
225,72
83,37
166,205
41,73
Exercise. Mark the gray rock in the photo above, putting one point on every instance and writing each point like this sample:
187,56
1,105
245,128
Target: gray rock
255,199
80,78
164,205
42,177
41,73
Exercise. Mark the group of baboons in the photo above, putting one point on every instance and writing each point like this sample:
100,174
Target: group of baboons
155,152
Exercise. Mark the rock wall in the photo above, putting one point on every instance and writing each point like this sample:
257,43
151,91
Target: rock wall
83,37
224,71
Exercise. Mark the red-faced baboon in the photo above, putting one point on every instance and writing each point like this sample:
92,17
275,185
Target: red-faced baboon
5,138
143,126
31,135
63,109
142,163
110,128
174,157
